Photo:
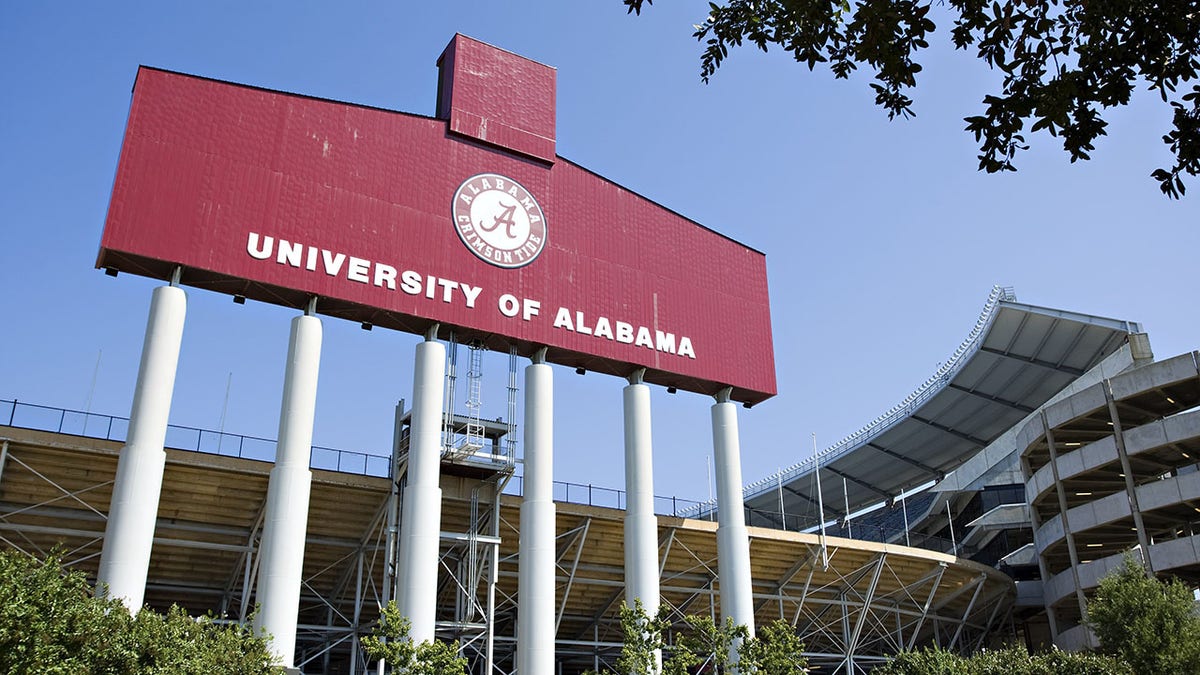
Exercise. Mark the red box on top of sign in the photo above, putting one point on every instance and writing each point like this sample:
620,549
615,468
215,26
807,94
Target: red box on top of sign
467,220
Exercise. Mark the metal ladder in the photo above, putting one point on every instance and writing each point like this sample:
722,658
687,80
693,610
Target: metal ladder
472,440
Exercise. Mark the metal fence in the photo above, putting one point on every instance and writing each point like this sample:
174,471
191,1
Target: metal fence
112,428
595,495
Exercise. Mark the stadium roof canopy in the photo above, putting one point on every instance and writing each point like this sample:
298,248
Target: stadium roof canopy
1015,358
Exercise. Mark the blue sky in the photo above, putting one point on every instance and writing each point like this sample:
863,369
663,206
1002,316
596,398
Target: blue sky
882,240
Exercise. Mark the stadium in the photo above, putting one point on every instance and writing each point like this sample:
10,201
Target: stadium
981,509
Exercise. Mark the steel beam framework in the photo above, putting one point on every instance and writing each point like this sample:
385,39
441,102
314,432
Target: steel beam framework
871,601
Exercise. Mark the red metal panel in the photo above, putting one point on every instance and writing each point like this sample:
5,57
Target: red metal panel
207,165
498,97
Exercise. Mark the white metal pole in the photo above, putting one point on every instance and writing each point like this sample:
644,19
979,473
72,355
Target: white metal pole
536,574
641,525
393,524
733,541
820,505
129,534
285,519
421,515
708,477
950,521
846,496
782,511
87,406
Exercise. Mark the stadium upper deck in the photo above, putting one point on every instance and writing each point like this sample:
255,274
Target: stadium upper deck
1016,358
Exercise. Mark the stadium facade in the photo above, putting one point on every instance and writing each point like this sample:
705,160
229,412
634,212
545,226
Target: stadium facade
982,508
977,554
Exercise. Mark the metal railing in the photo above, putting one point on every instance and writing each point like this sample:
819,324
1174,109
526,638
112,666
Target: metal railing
612,498
111,428
888,530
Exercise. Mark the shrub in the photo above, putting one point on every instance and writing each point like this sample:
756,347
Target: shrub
50,623
925,662
704,647
1010,661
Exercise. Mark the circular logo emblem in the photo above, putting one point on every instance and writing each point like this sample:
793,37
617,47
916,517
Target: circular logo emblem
499,221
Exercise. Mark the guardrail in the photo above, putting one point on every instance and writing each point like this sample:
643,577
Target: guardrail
594,495
111,428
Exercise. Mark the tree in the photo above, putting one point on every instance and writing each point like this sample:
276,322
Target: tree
707,646
391,643
1063,61
776,650
51,623
641,637
1150,624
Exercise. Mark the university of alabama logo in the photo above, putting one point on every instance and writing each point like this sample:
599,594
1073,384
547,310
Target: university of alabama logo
499,221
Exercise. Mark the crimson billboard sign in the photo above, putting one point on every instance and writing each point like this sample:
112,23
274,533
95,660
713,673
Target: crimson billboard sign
466,219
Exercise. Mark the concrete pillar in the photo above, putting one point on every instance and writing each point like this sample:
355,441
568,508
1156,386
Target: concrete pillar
285,519
536,576
733,541
1135,508
1072,551
641,525
1139,349
421,517
129,533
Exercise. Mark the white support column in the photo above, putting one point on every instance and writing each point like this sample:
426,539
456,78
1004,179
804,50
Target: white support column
421,517
129,534
641,525
733,541
536,576
285,519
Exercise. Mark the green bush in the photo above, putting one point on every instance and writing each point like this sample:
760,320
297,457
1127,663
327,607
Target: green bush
925,662
1080,663
1010,661
703,646
51,624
